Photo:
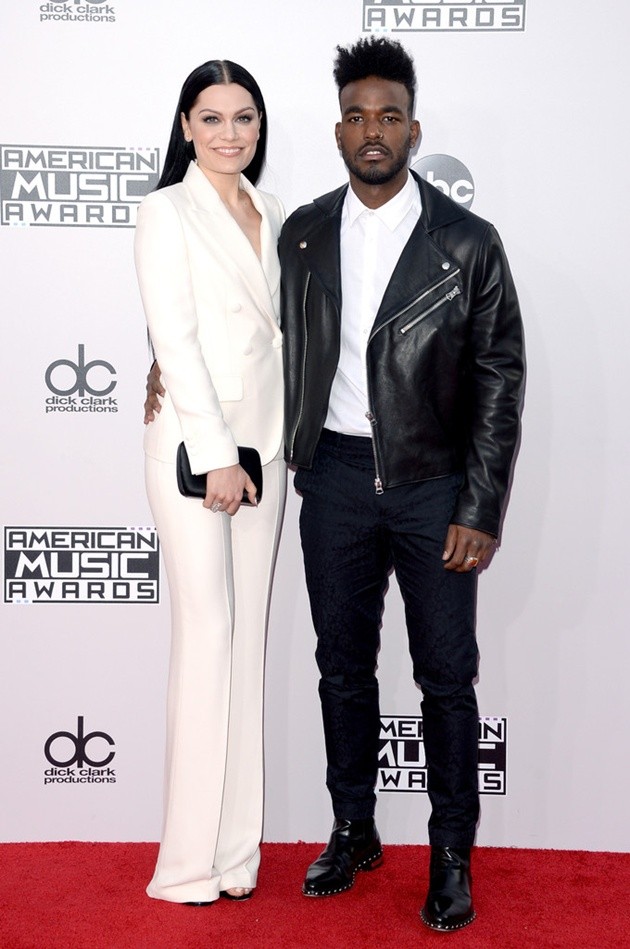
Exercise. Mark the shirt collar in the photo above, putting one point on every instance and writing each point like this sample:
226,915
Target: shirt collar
393,212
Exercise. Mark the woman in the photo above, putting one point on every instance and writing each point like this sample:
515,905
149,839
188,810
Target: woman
209,278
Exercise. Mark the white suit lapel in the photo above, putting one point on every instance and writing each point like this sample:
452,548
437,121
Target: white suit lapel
268,239
261,276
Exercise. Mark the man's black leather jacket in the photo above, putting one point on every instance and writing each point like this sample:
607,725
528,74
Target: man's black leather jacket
445,362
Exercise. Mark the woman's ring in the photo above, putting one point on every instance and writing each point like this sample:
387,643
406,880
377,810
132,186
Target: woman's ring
215,507
472,561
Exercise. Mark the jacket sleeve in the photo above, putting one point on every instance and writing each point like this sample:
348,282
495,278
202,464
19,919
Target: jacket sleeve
169,304
496,377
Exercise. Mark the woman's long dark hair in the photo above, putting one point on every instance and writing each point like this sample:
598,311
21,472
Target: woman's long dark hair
180,153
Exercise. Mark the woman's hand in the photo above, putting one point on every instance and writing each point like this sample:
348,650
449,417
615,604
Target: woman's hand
225,487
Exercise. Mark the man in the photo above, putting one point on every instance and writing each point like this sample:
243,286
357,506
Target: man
403,376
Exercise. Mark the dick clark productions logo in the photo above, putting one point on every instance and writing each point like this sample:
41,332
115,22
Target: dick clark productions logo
81,386
96,11
79,757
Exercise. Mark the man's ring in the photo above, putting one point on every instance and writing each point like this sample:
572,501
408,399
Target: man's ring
215,507
472,561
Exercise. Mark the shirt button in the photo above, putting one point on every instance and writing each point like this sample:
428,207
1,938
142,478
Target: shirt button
276,342
236,307
247,350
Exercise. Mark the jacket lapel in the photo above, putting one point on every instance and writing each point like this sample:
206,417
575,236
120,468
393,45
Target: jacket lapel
320,244
422,261
268,265
231,243
420,264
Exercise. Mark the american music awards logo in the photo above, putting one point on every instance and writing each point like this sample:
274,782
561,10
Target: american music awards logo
81,565
96,11
439,16
73,186
79,757
402,763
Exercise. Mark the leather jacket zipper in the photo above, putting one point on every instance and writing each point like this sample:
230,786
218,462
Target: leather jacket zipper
455,292
424,294
378,484
303,374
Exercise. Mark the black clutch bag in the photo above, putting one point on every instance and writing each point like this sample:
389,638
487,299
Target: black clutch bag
194,486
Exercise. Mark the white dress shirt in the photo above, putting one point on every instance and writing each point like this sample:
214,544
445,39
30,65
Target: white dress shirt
371,243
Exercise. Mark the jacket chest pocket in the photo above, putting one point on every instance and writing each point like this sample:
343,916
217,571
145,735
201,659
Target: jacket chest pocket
433,298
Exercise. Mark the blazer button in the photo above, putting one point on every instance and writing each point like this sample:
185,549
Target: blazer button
446,265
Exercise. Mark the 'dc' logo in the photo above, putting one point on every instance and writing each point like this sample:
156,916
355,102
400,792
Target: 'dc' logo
79,743
449,175
80,370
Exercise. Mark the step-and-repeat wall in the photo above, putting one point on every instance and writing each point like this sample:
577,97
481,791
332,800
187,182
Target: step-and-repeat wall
523,109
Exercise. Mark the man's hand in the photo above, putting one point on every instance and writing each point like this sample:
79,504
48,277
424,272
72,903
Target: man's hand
224,489
466,548
154,389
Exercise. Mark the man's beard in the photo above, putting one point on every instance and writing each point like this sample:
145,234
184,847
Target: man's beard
375,175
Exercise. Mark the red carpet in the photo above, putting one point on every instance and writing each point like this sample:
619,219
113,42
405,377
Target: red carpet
91,896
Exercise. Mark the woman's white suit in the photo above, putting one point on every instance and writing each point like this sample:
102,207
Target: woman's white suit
212,310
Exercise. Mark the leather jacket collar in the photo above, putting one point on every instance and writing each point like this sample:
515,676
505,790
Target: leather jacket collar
437,211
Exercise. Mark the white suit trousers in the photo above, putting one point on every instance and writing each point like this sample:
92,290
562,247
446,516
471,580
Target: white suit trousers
219,571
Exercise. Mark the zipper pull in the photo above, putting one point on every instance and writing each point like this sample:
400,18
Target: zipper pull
378,484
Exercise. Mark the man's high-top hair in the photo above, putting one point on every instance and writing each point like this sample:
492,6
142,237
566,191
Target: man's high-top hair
376,56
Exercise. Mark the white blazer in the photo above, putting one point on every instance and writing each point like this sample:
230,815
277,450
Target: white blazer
212,308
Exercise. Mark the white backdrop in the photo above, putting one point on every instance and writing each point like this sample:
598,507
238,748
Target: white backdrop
538,118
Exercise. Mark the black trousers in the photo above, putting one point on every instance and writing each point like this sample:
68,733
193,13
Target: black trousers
351,539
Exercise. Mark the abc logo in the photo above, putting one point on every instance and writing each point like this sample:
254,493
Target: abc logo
448,175
77,377
74,748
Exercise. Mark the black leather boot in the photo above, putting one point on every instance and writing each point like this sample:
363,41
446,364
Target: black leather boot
449,903
354,845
